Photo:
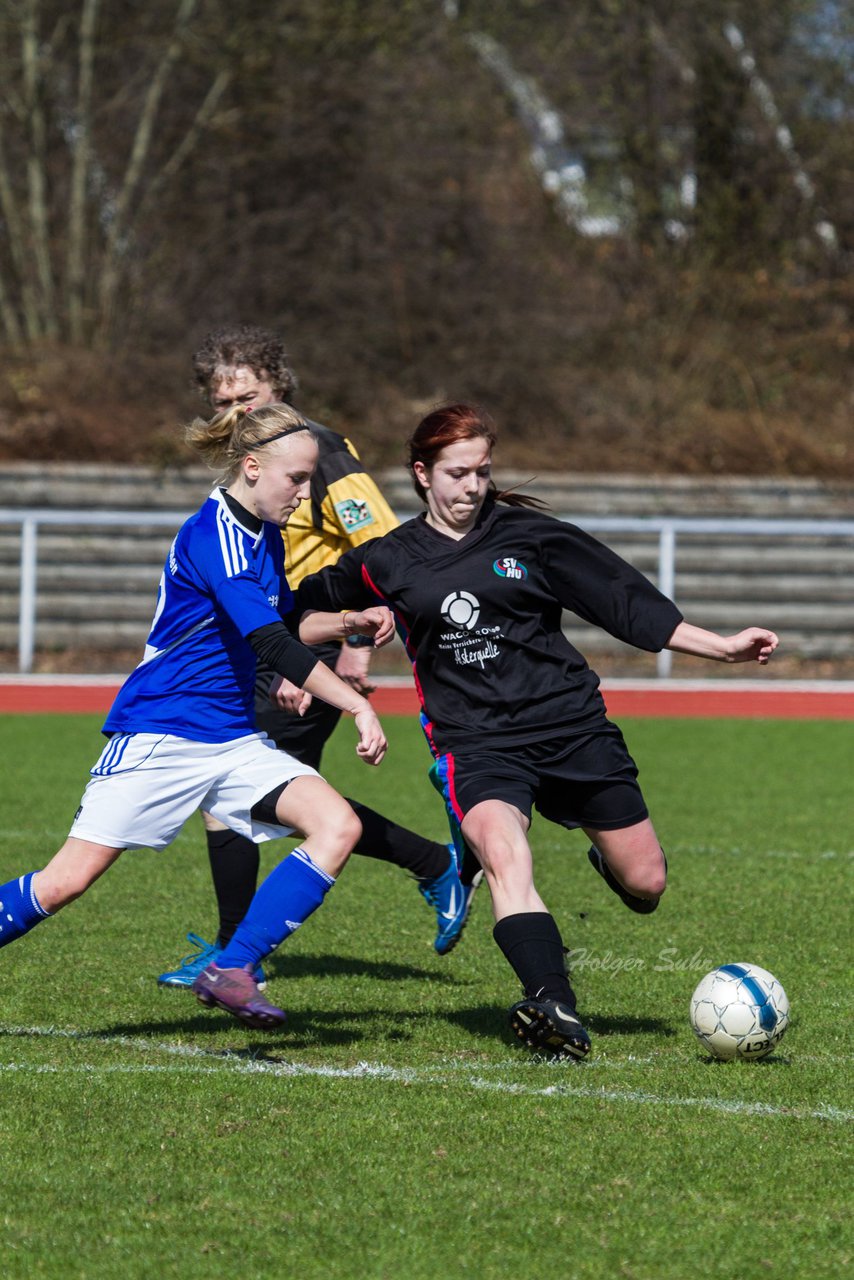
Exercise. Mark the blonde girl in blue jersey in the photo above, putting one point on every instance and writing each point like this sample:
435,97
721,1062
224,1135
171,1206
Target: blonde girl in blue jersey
248,366
181,730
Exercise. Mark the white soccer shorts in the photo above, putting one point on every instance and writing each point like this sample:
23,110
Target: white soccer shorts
145,786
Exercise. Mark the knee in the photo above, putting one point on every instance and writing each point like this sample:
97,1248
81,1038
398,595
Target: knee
351,832
658,885
503,863
658,877
341,829
646,882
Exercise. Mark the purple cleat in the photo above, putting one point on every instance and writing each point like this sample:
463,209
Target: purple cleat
236,991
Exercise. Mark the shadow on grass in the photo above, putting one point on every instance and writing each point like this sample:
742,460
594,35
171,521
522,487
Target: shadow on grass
300,1031
304,1029
291,966
318,1028
483,1019
626,1025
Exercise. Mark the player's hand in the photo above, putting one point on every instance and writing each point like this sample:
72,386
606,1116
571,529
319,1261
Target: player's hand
754,644
289,697
372,741
352,667
376,622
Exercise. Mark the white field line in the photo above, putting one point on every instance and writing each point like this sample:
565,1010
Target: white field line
207,1063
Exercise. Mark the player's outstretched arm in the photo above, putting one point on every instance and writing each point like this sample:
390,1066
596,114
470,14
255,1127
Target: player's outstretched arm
323,683
377,622
754,644
372,741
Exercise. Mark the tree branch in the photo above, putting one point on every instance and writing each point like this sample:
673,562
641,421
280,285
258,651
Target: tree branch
17,247
179,155
75,265
109,279
36,177
8,314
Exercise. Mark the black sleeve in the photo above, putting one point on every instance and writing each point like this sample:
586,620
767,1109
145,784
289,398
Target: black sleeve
599,586
338,586
281,652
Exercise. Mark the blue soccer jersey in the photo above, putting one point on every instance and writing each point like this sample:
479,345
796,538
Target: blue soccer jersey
221,581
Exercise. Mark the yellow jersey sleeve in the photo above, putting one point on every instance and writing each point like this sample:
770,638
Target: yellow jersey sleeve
345,509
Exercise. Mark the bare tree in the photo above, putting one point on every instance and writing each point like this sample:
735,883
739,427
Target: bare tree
71,204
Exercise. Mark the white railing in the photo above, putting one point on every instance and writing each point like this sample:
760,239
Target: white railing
667,529
30,520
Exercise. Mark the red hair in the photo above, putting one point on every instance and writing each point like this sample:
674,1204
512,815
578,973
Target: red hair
451,424
445,426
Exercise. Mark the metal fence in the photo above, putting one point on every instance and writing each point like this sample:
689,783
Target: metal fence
824,545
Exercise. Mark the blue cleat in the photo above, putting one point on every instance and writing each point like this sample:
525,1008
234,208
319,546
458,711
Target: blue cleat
193,965
451,900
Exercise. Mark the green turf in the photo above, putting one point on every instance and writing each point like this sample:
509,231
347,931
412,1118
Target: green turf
394,1130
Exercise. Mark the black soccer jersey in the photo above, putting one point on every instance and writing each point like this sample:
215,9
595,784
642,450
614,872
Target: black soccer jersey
481,620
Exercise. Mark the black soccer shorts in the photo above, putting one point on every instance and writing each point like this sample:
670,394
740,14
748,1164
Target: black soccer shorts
587,779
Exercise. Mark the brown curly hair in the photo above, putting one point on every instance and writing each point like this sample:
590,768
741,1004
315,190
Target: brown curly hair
260,350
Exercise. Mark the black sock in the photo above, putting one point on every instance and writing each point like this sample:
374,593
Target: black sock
381,838
234,866
533,947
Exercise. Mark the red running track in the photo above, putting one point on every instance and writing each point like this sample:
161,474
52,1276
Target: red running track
781,700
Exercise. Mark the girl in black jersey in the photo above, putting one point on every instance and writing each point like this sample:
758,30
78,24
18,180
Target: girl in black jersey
511,710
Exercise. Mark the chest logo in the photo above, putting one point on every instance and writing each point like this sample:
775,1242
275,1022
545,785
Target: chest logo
354,513
461,609
510,567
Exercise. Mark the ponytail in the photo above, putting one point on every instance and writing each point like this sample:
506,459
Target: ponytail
231,435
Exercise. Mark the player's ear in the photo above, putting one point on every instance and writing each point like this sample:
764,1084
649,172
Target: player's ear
422,475
251,467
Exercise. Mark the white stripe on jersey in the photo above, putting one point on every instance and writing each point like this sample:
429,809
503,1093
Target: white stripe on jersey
151,652
231,538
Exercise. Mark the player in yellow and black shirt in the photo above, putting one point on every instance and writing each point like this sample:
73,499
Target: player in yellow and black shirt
249,366
345,510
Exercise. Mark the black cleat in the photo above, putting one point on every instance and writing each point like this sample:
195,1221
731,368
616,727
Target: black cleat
642,906
550,1024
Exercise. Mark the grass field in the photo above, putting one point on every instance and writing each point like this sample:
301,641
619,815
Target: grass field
394,1130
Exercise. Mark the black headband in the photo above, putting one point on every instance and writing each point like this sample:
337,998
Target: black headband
289,431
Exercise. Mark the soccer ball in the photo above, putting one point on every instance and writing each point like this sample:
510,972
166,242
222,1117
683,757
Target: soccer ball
739,1011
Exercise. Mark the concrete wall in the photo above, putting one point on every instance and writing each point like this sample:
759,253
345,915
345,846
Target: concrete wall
97,588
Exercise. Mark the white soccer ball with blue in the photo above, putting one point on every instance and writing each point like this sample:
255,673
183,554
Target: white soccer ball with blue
739,1011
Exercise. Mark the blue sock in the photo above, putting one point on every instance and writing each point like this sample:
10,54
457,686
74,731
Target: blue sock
20,909
292,890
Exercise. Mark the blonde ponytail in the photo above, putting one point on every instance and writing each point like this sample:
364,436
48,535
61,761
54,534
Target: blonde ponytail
231,435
